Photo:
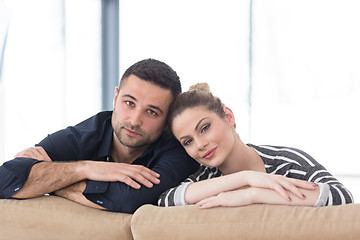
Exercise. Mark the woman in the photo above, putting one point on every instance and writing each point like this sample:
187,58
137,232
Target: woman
236,174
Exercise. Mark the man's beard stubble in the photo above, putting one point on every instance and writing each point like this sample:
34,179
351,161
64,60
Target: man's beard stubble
129,141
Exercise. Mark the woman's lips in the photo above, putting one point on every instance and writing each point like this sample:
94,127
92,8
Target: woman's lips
209,154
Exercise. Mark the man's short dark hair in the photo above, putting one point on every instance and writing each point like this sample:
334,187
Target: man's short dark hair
154,71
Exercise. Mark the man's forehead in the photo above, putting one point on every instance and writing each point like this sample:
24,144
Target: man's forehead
146,93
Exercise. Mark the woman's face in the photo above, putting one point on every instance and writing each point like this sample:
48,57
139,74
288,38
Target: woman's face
206,136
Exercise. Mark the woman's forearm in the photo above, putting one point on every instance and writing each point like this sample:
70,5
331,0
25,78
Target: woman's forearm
210,187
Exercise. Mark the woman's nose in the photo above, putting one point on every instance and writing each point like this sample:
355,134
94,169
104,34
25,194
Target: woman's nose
201,143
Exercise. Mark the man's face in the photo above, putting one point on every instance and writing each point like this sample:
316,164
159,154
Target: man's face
140,110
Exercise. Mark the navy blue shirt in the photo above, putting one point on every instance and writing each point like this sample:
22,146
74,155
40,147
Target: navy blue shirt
92,140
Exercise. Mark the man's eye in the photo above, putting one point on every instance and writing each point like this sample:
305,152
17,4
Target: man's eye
130,103
187,142
204,128
152,113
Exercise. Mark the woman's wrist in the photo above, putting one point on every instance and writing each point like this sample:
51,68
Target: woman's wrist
244,178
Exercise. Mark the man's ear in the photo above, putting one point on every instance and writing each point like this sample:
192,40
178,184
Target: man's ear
115,95
229,115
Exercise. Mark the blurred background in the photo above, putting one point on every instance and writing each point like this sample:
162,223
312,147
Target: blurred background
289,70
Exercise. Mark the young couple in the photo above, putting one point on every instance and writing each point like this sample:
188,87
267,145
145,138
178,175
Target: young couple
121,159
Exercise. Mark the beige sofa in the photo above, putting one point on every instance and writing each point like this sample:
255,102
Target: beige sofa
51,217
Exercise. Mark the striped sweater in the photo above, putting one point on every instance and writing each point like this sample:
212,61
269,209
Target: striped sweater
289,162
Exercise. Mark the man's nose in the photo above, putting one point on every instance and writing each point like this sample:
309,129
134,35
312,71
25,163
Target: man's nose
136,118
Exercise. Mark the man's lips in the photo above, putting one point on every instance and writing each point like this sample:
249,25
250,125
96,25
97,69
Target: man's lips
131,132
209,154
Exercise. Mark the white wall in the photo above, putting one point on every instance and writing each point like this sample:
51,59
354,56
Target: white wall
51,72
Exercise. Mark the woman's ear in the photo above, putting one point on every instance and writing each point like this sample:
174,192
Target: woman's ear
229,115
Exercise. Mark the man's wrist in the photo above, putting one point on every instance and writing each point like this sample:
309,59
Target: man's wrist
82,169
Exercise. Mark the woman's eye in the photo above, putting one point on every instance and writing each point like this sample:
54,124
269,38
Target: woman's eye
204,128
187,142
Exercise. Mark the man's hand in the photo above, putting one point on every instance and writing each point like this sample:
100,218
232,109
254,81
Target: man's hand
132,175
34,152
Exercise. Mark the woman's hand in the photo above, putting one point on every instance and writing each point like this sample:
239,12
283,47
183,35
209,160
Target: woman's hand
281,184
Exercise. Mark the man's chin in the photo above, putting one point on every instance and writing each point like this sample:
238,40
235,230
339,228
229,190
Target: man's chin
131,144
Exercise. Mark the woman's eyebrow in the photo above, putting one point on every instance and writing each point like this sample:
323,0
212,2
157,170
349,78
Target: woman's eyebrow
196,127
198,124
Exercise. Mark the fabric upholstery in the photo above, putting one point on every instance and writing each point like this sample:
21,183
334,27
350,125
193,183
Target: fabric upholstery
250,222
51,217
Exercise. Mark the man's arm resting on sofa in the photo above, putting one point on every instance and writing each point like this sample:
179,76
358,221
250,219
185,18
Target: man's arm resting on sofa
47,177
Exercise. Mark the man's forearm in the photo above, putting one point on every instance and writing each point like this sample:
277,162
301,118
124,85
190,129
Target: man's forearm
74,193
47,177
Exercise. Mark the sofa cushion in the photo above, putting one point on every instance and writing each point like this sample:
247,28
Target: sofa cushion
51,217
250,222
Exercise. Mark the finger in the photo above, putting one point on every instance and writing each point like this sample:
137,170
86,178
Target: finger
292,185
43,153
130,182
304,184
139,178
150,178
287,184
35,153
29,153
280,190
295,186
208,203
146,174
147,170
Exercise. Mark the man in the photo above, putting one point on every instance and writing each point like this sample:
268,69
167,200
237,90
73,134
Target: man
115,160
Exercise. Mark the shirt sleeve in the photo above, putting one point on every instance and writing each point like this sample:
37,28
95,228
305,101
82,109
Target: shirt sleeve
173,165
176,196
13,175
